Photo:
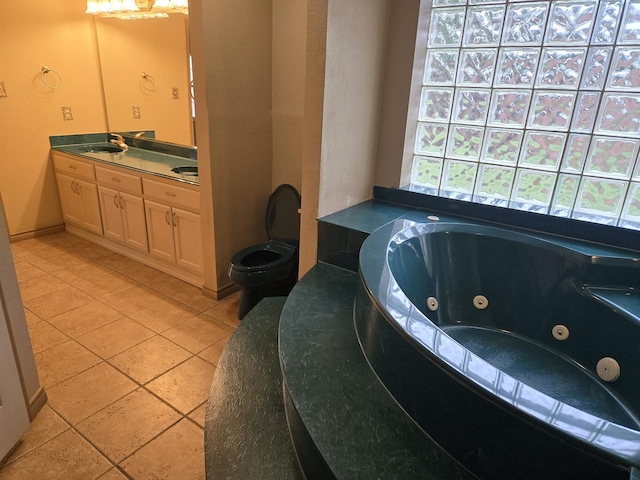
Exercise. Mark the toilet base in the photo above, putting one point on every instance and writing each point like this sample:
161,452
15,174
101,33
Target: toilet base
251,296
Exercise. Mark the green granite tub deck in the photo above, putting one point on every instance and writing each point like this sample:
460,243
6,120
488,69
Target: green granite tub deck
246,433
345,423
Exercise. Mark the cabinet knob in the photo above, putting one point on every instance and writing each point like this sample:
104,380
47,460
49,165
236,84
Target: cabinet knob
122,204
115,200
170,194
115,179
73,167
166,217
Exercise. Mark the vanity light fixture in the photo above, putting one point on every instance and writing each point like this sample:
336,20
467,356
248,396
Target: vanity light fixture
136,9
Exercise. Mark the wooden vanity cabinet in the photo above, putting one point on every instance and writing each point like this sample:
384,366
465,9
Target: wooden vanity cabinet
78,194
123,218
148,218
174,232
122,209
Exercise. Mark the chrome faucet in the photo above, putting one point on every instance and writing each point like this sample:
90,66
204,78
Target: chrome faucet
119,141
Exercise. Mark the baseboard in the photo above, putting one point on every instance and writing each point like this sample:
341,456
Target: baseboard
220,293
194,279
4,459
36,403
41,232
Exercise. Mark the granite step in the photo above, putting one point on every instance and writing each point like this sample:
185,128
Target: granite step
246,435
343,422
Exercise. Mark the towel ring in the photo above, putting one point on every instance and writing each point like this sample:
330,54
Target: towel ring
152,81
46,70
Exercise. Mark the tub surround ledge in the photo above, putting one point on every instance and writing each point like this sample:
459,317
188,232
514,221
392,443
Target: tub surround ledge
345,424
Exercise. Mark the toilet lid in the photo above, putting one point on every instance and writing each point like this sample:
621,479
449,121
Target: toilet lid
282,218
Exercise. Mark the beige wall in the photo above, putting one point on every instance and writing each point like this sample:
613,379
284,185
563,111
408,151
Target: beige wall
289,92
356,46
252,65
289,49
157,47
237,38
396,101
345,70
197,30
34,34
235,85
312,129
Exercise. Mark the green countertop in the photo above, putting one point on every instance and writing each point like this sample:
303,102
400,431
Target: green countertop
138,159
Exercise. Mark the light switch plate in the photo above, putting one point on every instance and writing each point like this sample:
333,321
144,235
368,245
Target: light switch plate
175,91
3,90
136,112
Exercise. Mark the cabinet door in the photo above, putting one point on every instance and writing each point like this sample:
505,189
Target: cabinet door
91,219
69,199
188,240
135,227
111,214
160,231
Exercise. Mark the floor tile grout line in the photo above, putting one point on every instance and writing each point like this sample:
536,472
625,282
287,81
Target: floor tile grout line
88,331
75,338
200,427
11,459
139,386
118,353
52,326
85,438
104,454
136,382
150,440
75,374
143,385
164,401
180,299
97,411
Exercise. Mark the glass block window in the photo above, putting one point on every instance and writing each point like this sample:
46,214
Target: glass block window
533,105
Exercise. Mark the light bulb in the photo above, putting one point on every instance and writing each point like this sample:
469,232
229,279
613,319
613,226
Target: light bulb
130,6
93,8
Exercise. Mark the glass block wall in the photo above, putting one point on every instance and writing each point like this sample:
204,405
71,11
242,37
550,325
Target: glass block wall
533,105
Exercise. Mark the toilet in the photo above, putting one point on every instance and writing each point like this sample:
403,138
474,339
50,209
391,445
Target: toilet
270,269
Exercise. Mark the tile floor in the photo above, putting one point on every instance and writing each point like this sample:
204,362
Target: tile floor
126,354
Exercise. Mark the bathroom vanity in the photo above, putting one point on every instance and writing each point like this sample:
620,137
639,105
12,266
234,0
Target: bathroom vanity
138,202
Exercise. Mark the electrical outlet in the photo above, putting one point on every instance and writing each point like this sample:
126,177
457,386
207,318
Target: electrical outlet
66,113
3,90
136,112
175,92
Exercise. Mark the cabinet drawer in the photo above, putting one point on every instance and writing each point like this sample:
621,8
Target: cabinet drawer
120,181
74,168
172,195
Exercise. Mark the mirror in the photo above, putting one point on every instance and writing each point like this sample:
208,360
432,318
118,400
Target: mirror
146,76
